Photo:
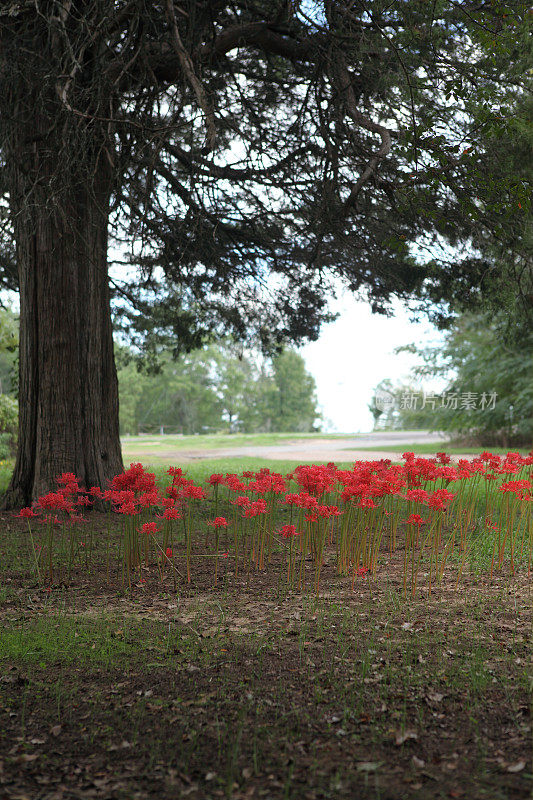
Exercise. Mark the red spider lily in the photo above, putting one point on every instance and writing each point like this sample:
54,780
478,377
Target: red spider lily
175,472
443,458
26,513
219,522
193,492
149,528
518,488
172,471
67,478
167,502
307,501
418,495
366,502
119,497
69,482
415,519
288,531
328,511
171,513
134,478
268,483
440,499
84,501
315,479
178,477
55,500
216,479
360,571
255,508
291,500
148,499
96,491
242,502
234,483
129,509
168,552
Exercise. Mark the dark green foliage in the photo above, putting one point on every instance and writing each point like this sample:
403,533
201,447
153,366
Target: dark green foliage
476,358
262,154
217,389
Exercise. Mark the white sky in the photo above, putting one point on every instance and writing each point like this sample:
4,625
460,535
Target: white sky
354,353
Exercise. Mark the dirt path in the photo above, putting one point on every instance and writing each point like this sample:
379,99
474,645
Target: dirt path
305,450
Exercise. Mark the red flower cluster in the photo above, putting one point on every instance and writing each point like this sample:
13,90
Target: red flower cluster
149,528
255,508
415,519
288,531
219,522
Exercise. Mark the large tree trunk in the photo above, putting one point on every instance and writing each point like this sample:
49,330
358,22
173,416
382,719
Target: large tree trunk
68,389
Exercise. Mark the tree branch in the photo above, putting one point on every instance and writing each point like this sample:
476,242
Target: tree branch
188,69
345,85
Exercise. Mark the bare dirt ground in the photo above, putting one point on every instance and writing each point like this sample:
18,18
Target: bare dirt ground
248,691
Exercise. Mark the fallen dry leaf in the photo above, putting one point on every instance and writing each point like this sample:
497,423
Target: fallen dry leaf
401,738
368,766
517,767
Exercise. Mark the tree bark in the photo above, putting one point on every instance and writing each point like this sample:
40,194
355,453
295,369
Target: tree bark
68,418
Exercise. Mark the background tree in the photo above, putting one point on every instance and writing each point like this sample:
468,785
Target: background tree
294,402
182,396
9,341
8,382
217,389
235,385
255,155
478,363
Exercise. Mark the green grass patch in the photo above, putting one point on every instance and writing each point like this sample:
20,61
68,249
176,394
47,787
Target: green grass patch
201,470
6,470
57,638
432,448
220,440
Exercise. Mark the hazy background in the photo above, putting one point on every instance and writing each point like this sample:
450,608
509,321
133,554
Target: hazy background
354,353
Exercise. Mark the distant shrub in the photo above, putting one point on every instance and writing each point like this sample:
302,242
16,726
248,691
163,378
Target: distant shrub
8,425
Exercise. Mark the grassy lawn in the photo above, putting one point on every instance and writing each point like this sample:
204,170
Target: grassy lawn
220,440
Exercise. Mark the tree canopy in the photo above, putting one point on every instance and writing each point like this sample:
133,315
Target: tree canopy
489,392
263,154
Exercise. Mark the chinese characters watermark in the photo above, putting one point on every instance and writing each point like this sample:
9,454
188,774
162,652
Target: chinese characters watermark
455,401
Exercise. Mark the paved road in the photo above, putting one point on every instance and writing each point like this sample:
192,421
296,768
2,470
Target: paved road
311,450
